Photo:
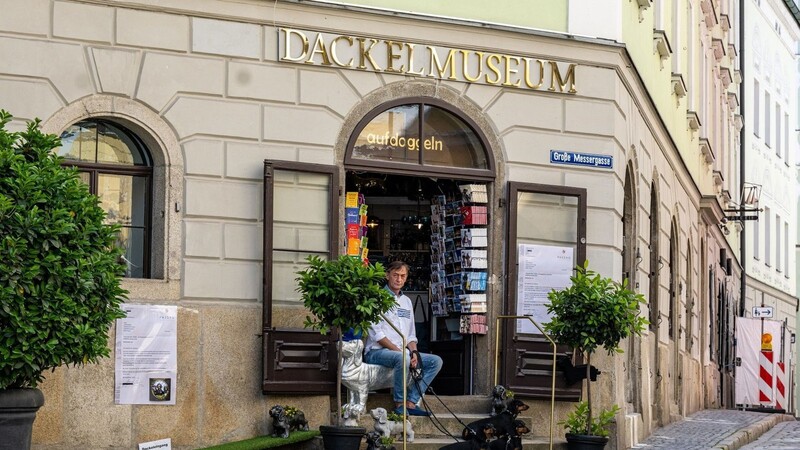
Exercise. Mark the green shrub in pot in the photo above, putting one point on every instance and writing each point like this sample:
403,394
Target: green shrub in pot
343,294
60,267
593,312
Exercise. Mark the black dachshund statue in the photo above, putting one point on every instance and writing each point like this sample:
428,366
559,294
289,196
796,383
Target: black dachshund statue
498,399
374,442
573,374
283,423
503,423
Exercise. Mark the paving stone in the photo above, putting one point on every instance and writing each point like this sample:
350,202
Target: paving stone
715,429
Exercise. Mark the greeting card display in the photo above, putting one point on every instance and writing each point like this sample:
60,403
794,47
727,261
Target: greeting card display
459,258
355,219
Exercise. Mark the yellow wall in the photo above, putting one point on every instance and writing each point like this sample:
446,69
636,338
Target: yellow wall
541,14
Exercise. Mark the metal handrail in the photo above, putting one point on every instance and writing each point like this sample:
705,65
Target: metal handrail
497,364
405,377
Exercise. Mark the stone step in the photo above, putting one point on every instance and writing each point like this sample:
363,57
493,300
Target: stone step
474,404
427,427
468,408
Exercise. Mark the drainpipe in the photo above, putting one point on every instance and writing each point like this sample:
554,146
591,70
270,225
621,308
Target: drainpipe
742,241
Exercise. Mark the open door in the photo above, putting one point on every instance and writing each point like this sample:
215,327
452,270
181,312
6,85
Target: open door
551,219
300,219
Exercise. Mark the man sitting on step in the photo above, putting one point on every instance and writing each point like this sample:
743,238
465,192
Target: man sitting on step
384,344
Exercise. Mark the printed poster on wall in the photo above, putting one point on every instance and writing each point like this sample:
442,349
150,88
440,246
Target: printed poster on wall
146,359
542,268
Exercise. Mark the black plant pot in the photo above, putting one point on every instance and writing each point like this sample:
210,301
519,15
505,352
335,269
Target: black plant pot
341,438
17,411
585,442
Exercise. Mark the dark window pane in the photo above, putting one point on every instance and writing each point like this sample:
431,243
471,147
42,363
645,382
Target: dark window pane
102,142
115,146
449,141
131,240
79,142
391,136
123,197
86,177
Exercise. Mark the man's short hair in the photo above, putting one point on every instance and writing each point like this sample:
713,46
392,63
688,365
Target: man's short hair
396,265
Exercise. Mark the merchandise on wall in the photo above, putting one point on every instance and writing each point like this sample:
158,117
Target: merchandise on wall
459,259
356,226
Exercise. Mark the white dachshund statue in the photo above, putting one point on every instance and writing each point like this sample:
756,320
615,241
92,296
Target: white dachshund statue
387,427
360,377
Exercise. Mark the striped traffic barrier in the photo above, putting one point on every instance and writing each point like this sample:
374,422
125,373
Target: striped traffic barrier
765,378
780,386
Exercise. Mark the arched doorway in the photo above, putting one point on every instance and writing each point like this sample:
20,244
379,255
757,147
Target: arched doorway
630,260
655,313
405,162
422,171
674,326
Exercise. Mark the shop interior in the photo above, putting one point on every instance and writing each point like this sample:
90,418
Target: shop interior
421,220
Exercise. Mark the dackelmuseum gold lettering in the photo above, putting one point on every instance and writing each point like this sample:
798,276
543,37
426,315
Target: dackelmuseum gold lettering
405,58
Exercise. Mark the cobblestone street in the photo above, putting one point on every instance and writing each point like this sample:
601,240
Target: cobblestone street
728,430
785,436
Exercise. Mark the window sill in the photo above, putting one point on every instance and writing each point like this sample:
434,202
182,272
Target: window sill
152,289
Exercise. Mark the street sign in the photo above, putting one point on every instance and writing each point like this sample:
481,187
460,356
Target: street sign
762,312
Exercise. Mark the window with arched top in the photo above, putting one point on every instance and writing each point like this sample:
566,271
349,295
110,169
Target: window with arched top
117,167
420,135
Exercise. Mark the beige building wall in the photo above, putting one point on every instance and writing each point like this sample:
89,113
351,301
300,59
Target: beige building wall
200,82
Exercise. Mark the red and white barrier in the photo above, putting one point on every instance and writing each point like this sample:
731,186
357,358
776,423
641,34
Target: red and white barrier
780,386
765,378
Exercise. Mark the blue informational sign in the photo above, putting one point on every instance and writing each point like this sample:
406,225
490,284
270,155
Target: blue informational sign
581,159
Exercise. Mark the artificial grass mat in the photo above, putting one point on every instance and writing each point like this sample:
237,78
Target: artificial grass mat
262,442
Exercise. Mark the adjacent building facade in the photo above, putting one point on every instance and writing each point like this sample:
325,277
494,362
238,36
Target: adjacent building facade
245,122
770,146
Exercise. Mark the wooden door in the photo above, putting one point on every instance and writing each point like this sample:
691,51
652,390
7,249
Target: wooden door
541,215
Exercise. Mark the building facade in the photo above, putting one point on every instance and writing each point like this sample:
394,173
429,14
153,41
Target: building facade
770,146
252,120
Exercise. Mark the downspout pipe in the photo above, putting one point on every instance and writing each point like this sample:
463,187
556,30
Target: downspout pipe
742,103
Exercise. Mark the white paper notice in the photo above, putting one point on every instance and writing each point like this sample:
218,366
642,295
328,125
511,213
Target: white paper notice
146,361
542,268
161,444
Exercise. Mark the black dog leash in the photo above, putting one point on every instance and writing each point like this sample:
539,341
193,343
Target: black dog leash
416,375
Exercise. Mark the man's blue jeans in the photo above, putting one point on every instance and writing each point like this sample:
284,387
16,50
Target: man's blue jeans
431,364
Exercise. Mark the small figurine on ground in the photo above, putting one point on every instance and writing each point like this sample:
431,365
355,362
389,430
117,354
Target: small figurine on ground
377,442
498,399
286,419
387,427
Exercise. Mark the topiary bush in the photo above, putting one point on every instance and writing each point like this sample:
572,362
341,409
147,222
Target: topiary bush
593,312
343,294
60,269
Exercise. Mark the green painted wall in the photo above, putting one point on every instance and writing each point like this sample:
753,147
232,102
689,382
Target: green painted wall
541,14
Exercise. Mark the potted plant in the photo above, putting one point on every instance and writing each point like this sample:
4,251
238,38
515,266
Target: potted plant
593,312
578,421
59,274
341,295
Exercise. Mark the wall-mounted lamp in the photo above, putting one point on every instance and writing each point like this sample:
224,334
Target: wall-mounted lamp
638,258
373,222
660,262
724,229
